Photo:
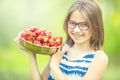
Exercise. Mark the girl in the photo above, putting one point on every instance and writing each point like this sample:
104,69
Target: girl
82,57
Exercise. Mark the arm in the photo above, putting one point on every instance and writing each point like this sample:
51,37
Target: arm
97,67
54,64
34,72
58,75
46,72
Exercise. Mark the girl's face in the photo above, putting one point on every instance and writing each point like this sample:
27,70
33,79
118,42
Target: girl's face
78,28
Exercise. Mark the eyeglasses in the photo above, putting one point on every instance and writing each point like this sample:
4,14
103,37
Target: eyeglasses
82,25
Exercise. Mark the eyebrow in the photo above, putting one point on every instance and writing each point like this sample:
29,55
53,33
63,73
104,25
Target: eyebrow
84,22
78,22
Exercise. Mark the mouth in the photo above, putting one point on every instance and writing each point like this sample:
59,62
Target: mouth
77,36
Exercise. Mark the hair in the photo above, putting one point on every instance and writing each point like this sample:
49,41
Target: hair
93,14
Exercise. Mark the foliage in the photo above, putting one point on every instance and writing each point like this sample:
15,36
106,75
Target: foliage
15,15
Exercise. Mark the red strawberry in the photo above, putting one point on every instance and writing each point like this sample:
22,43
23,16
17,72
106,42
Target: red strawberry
51,40
51,44
58,38
41,37
58,44
48,34
29,39
37,32
44,44
42,32
37,42
34,35
24,35
44,39
34,29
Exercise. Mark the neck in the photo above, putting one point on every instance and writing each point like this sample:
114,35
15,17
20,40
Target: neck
84,47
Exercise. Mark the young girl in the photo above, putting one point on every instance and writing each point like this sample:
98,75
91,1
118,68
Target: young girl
82,57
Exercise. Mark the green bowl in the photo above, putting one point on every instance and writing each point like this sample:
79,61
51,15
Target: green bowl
38,48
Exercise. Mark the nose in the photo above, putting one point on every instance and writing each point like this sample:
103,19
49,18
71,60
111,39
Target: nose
77,29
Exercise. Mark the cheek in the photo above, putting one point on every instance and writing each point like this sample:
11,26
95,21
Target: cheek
89,34
70,31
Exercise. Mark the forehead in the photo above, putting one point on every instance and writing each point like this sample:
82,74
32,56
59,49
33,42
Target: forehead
77,16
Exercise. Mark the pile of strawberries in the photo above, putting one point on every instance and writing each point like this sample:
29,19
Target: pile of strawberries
41,37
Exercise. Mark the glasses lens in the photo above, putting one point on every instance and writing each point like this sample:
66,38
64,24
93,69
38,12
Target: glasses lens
83,26
71,24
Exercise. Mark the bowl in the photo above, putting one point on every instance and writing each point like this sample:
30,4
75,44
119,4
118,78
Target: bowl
46,50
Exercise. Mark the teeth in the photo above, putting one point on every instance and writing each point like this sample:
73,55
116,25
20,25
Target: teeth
78,35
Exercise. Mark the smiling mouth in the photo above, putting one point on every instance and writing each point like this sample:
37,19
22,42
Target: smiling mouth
78,35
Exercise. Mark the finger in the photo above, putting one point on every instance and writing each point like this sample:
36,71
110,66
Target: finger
59,49
50,55
18,37
17,40
63,50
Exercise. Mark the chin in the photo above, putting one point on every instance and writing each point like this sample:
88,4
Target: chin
80,41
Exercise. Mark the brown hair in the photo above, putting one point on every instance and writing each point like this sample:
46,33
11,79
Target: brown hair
93,14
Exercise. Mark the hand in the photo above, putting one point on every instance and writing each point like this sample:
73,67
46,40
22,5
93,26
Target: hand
17,40
56,58
54,64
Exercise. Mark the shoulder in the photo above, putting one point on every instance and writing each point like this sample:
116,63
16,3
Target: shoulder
101,56
98,66
100,61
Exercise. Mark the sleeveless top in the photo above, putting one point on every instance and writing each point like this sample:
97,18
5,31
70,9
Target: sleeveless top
74,69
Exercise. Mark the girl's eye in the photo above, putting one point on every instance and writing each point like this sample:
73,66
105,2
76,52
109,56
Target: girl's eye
84,26
72,23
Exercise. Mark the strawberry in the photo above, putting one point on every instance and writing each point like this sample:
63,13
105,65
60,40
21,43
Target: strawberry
37,42
41,37
34,29
29,39
48,34
44,39
58,44
58,38
51,40
33,35
44,44
37,32
42,32
58,41
52,44
24,35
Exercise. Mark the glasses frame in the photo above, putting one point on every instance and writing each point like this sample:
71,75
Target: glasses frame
78,24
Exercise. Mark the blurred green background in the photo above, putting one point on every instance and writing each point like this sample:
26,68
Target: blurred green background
16,15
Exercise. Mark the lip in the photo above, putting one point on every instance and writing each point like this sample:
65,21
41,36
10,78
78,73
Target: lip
77,36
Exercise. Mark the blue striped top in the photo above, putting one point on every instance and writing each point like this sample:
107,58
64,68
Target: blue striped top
74,69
